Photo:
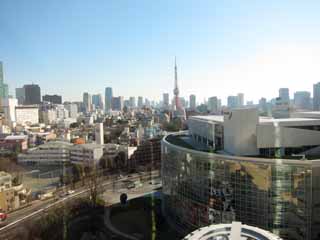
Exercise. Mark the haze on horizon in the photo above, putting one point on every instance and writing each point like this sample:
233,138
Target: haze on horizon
222,48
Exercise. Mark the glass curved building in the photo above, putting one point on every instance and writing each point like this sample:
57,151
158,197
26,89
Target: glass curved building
203,187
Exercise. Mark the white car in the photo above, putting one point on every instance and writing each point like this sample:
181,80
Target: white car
70,192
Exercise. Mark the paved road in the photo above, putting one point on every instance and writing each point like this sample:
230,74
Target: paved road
111,196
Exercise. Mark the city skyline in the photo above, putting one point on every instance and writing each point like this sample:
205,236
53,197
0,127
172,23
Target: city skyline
225,48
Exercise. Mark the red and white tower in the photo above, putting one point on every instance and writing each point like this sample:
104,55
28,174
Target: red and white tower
179,111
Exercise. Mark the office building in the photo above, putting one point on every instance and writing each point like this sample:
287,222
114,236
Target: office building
108,95
55,99
32,94
166,101
72,110
97,101
132,102
213,105
4,91
140,102
232,101
284,95
316,96
302,100
232,231
87,102
117,103
263,106
242,167
20,95
240,99
192,102
27,115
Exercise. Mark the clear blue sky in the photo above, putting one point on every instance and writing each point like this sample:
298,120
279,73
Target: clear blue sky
222,47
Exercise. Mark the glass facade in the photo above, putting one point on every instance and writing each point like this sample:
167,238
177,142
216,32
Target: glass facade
278,195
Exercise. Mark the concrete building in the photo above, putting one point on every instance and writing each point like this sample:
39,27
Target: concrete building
316,96
302,100
99,133
264,177
263,105
192,102
108,99
132,102
213,105
20,95
87,103
32,94
9,107
240,99
51,153
72,110
86,154
27,115
55,99
284,95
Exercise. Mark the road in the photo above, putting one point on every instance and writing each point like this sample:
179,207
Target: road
111,195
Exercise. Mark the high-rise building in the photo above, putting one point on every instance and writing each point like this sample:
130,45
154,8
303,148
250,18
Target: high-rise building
87,102
232,101
240,99
108,99
55,99
9,108
117,103
316,96
302,99
166,100
32,94
192,101
99,133
20,95
132,102
263,107
72,109
97,101
213,105
140,102
284,95
3,87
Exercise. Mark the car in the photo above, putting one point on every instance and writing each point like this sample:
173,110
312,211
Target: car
71,192
3,216
131,185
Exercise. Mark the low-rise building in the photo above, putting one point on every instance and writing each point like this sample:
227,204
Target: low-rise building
51,153
87,154
27,115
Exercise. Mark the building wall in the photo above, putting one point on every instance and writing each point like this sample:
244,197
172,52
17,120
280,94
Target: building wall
240,131
202,188
27,114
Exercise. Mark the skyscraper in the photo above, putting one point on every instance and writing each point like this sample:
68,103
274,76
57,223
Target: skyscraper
117,103
213,105
108,99
284,95
3,87
302,99
140,102
166,100
87,102
32,94
233,101
20,95
56,99
192,100
97,101
132,102
316,96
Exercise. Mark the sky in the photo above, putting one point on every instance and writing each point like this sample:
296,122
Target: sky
222,47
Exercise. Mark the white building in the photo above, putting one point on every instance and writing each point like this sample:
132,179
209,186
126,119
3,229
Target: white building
72,109
51,153
242,132
87,154
99,133
27,115
9,107
5,181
